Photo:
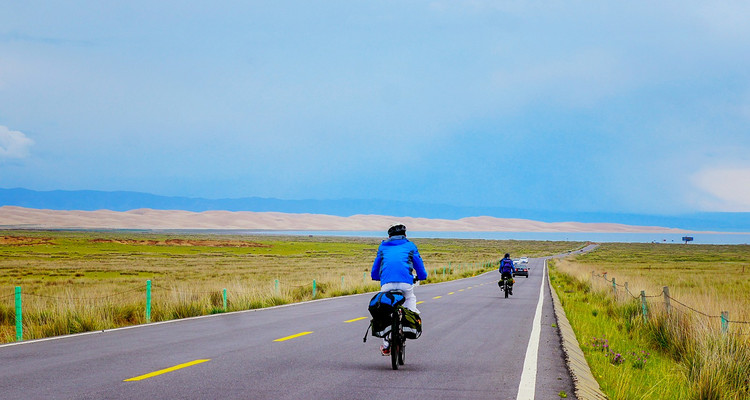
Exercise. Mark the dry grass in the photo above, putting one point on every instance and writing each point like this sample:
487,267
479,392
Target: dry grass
81,281
709,278
706,280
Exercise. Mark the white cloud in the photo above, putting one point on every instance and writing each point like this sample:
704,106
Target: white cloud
13,144
728,189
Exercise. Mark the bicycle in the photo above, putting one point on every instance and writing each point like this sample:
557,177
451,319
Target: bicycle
504,284
391,327
397,338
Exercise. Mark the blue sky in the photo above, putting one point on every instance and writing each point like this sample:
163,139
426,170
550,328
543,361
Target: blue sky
577,106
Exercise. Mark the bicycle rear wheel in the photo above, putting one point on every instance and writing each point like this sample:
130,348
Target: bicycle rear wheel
396,339
402,351
395,350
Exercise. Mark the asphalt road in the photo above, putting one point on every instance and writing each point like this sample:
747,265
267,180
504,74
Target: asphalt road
474,346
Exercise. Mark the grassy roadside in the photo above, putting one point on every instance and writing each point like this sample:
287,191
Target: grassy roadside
622,360
690,356
82,281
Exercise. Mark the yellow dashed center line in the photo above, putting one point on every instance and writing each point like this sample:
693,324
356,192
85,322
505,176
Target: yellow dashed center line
165,370
437,297
460,290
451,293
356,319
420,302
292,336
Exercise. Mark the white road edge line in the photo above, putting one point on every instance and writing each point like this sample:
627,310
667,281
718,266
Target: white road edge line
527,386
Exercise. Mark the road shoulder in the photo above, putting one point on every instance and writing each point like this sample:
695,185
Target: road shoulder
553,376
586,387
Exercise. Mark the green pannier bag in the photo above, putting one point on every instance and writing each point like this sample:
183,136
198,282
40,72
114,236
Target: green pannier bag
412,324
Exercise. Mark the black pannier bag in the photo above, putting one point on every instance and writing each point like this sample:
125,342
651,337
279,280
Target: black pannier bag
380,329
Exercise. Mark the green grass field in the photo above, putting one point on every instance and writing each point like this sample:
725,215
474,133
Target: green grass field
690,356
81,281
605,329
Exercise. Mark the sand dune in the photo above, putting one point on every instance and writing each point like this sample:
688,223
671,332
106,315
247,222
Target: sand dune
19,217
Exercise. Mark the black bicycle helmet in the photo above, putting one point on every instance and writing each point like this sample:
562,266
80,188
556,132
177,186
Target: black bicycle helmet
397,229
507,255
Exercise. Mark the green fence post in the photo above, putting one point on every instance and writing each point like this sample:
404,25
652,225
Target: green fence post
148,301
364,277
315,289
342,282
19,315
614,287
276,287
644,307
225,299
724,321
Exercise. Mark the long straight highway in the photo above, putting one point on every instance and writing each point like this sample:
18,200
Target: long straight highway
476,345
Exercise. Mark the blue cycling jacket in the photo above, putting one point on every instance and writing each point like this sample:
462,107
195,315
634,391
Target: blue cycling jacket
506,265
397,258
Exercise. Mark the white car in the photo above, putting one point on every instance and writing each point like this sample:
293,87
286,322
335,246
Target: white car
524,260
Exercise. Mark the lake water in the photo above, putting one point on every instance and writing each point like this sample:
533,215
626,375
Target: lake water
698,238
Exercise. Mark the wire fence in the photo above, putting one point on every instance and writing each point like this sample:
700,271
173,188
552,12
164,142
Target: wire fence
138,288
668,304
184,292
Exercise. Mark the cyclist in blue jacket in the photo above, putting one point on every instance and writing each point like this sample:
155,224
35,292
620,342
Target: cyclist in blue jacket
397,258
507,269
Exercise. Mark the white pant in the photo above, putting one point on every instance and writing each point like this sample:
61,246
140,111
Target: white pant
410,300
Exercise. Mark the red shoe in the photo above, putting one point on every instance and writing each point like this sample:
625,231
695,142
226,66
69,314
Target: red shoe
385,351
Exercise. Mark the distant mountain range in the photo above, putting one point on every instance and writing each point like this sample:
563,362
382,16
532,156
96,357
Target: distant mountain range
90,200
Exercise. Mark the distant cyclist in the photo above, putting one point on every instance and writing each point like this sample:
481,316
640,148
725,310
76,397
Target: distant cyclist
507,269
397,258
